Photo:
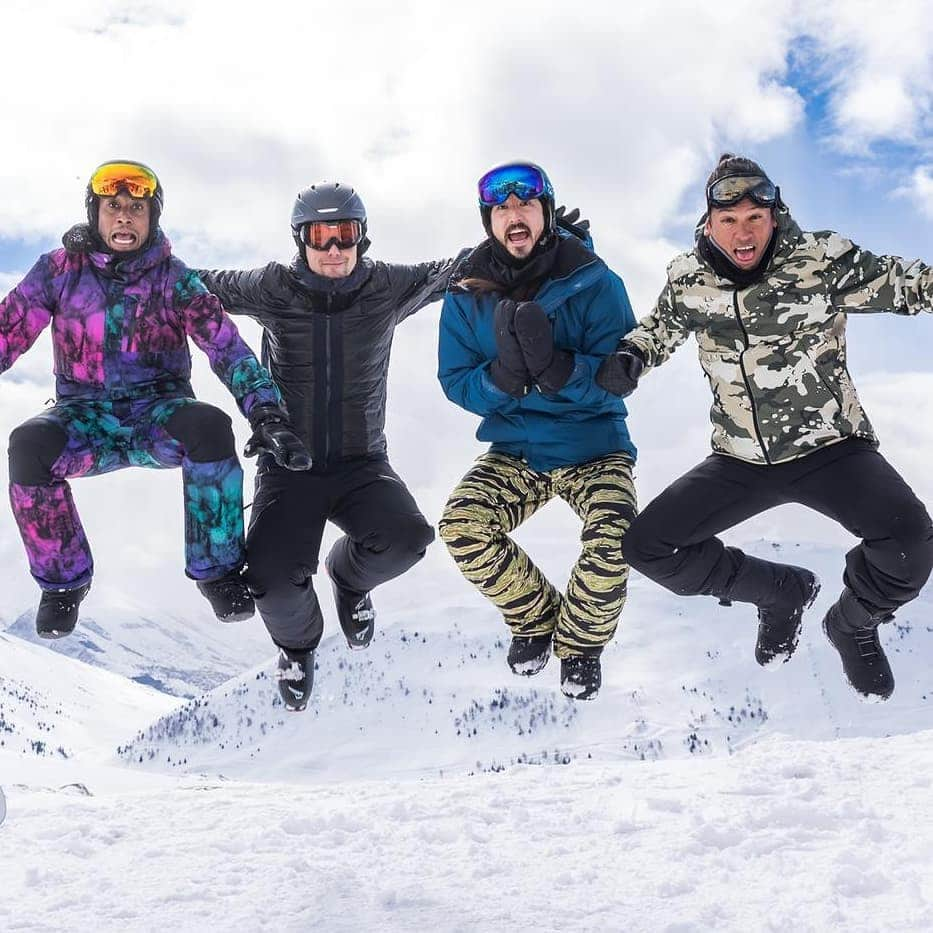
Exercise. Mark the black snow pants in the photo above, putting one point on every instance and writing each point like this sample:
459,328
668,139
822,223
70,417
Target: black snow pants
384,535
673,540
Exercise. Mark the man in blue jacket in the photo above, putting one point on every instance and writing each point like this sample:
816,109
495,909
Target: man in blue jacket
527,318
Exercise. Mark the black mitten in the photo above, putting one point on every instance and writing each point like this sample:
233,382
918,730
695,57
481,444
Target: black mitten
619,373
508,371
550,368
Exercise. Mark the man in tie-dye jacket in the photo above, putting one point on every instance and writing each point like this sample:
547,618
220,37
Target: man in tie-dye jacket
121,309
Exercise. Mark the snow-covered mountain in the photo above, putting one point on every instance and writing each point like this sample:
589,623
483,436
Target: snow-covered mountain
179,655
433,694
53,706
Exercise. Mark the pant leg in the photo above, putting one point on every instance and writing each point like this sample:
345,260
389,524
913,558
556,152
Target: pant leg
282,545
864,493
384,532
602,493
673,541
495,497
199,438
69,439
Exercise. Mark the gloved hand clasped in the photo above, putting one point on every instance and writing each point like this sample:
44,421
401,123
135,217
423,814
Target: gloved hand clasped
550,367
508,371
274,435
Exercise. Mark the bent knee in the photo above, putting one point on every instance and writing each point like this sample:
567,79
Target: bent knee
206,432
34,447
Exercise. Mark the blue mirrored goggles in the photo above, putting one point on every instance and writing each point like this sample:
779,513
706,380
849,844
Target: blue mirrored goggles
728,191
522,179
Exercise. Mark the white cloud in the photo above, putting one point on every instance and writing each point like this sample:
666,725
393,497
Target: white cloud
921,189
876,59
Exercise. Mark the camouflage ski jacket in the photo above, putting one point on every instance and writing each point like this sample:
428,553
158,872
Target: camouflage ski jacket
775,353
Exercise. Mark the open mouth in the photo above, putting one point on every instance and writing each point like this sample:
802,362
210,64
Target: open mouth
745,255
518,235
123,238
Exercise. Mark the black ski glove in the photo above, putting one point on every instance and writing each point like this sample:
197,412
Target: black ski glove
273,434
570,221
550,368
508,371
619,373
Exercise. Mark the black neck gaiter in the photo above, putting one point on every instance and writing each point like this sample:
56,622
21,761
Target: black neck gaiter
724,266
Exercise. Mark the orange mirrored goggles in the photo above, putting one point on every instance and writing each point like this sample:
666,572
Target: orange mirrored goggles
133,177
323,234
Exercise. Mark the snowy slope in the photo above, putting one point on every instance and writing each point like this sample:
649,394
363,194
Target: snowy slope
433,694
428,788
54,706
786,835
181,655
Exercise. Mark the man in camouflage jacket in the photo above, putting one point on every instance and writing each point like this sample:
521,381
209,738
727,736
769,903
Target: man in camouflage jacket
767,303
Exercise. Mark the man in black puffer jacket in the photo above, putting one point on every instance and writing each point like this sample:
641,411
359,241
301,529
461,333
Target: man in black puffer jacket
328,320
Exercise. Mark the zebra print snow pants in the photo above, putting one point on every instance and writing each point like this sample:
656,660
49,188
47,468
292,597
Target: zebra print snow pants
496,496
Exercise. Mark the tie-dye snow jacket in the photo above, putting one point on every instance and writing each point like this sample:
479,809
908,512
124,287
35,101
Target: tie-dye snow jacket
119,327
775,352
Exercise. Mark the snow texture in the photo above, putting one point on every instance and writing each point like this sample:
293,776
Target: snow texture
426,787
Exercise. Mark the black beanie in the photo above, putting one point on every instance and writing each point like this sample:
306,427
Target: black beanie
731,164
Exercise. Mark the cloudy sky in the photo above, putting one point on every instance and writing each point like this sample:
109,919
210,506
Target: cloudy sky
410,102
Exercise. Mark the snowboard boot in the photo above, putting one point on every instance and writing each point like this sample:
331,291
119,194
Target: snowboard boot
781,592
779,623
853,631
229,597
295,674
58,611
528,654
580,676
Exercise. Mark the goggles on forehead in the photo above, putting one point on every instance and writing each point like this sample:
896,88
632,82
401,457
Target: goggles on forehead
136,179
525,181
323,234
728,191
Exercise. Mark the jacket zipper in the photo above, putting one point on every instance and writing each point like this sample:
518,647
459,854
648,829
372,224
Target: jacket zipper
836,398
131,330
748,385
330,299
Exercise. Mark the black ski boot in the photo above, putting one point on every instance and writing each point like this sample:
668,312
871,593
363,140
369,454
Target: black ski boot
356,616
58,611
779,623
781,593
853,631
581,676
295,674
528,654
229,597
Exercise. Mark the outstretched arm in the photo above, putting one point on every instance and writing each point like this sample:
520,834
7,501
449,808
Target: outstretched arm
863,282
25,313
239,291
413,287
231,359
659,334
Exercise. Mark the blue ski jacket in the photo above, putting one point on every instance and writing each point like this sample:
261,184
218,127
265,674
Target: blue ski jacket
590,311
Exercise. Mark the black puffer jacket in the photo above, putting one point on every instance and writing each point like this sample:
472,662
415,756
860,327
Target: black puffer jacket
328,346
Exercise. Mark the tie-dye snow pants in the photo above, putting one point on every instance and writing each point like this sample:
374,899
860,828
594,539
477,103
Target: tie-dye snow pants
85,438
496,496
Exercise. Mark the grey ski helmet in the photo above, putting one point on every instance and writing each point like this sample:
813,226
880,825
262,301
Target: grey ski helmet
328,201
